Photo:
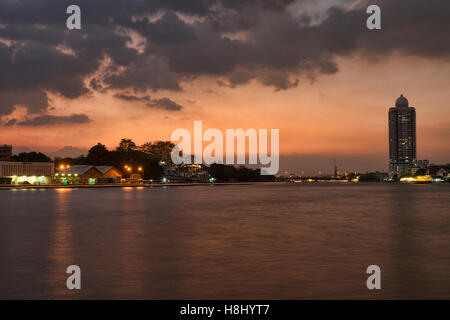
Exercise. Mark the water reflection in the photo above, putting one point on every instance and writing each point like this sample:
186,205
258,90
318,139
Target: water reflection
227,242
61,251
406,263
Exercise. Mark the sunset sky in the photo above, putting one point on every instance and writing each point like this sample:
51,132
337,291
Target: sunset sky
141,69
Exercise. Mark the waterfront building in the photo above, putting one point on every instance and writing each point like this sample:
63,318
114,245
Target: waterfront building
110,174
336,173
419,166
442,171
402,138
5,152
79,174
25,173
87,174
185,172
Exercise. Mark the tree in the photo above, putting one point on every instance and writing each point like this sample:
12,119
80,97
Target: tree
126,145
30,157
223,172
98,154
420,172
160,150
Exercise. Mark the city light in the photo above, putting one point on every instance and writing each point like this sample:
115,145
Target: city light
418,179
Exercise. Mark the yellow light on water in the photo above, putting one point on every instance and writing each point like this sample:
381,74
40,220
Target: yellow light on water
417,179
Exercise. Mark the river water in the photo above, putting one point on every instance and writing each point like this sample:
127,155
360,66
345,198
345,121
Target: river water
278,241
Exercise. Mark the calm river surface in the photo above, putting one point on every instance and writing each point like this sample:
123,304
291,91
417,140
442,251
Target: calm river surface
297,241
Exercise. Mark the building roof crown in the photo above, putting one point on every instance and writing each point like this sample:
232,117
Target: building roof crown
402,102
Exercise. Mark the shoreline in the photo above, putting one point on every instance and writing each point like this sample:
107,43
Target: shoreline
157,185
193,184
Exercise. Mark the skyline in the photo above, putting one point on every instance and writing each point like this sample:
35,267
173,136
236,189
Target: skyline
336,110
290,163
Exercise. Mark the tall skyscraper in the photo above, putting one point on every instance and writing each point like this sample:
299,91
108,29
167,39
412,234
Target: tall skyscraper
402,138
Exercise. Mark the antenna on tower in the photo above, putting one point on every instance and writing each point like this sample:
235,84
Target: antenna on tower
335,169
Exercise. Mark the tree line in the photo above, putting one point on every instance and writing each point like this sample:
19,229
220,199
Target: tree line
146,156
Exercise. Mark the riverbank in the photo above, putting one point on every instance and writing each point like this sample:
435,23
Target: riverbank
187,184
156,185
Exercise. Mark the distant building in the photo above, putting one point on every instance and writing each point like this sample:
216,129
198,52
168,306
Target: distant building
419,166
26,172
135,178
5,152
336,173
402,138
195,172
185,172
442,171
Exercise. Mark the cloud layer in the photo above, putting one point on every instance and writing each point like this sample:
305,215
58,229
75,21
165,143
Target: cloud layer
50,120
158,45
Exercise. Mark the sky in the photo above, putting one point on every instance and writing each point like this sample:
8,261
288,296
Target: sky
141,69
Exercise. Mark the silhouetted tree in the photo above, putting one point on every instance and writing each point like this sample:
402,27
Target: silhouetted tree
98,154
160,150
126,145
242,174
30,157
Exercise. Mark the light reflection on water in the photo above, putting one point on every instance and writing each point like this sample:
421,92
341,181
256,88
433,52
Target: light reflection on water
227,242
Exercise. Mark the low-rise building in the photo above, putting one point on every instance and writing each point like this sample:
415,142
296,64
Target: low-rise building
88,174
442,171
185,172
110,174
35,173
5,152
79,174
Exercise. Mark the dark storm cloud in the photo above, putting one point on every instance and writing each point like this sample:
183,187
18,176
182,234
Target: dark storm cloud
165,103
48,120
36,101
233,41
10,122
127,97
168,29
96,85
147,72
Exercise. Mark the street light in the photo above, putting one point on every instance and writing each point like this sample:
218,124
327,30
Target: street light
127,168
143,175
64,167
